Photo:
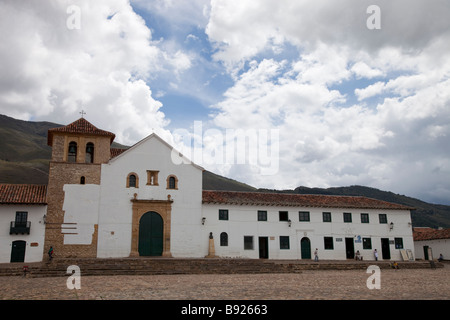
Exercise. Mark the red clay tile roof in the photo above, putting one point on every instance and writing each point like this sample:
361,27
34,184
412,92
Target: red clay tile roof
116,151
296,200
81,126
420,234
23,194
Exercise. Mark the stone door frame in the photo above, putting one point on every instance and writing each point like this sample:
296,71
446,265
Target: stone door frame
139,208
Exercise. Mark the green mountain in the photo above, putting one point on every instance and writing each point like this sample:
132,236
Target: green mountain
25,156
24,153
212,181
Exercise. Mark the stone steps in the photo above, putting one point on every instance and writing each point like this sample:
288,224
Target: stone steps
168,266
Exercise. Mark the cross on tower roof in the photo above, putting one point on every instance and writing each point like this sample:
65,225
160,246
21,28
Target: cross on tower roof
82,113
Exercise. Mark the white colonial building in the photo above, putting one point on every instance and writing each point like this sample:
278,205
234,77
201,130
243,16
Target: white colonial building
22,220
148,200
289,226
430,243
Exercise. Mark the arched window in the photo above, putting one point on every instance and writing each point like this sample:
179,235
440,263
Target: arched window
72,153
224,239
90,152
132,180
172,182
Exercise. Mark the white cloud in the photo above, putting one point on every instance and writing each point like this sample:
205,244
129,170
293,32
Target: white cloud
370,91
242,29
362,70
398,143
325,65
51,72
312,130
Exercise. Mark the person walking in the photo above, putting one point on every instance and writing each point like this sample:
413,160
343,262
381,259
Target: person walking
50,253
316,255
375,253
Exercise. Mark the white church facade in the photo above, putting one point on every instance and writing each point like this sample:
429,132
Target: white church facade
144,201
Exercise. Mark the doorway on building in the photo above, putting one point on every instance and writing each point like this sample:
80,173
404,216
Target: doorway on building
263,247
305,248
151,234
385,250
18,251
427,253
349,248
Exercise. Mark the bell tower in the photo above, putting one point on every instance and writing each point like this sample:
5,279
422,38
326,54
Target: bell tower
78,151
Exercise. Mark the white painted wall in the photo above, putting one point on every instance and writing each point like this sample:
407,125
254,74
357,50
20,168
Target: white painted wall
37,231
116,208
437,246
80,213
243,222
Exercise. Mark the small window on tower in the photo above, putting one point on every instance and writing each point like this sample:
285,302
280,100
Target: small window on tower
72,153
90,152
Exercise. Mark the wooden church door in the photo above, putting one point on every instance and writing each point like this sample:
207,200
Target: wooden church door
151,234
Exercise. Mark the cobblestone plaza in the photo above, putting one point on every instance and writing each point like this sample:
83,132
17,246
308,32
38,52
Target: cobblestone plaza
403,284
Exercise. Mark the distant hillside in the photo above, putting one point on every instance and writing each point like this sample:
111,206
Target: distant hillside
24,153
212,181
25,156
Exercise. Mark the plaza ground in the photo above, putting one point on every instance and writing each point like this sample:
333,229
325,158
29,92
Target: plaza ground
403,284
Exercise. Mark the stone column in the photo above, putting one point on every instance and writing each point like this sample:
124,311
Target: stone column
211,250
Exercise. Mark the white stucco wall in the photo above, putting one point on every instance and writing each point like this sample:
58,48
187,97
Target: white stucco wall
243,222
37,231
437,246
115,215
81,207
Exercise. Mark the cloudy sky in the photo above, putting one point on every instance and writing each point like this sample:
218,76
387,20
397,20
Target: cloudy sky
348,95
